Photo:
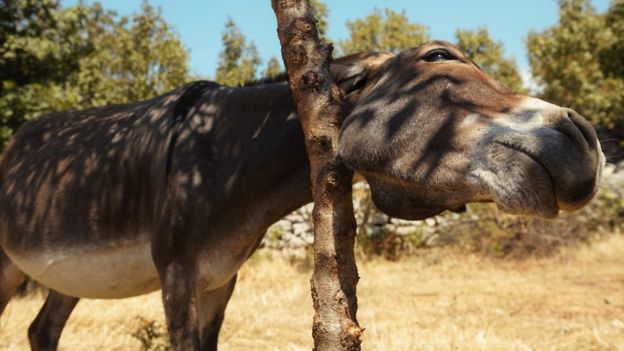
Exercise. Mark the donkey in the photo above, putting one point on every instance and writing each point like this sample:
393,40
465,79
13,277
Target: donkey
177,192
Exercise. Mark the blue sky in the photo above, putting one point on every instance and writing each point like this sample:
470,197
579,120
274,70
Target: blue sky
200,22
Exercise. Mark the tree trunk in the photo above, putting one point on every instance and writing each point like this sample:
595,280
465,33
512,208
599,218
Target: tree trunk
318,102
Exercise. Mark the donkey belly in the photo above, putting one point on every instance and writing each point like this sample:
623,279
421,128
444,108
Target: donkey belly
109,271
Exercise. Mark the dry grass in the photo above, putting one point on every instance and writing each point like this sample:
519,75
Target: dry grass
439,301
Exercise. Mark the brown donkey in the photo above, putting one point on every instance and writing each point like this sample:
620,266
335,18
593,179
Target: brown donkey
176,192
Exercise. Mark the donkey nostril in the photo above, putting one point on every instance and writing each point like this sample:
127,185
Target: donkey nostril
586,129
569,114
563,122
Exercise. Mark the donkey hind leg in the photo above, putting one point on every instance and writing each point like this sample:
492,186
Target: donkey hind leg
10,278
45,331
211,310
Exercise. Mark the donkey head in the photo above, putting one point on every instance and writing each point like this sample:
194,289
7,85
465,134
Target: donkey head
430,131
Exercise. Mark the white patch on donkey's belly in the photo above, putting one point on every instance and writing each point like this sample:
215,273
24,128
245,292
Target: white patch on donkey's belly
117,271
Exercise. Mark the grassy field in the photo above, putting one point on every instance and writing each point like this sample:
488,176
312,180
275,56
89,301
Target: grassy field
438,301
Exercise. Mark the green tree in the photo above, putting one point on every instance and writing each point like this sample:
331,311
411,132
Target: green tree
612,60
238,61
489,54
273,67
578,62
320,12
147,57
55,59
39,48
132,59
387,31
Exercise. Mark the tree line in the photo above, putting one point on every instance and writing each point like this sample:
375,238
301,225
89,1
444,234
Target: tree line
55,58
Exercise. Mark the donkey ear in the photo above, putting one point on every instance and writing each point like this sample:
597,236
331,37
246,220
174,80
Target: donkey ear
351,72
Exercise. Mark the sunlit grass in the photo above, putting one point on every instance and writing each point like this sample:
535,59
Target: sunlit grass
438,301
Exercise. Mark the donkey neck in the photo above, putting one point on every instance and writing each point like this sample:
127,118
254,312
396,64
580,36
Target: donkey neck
263,170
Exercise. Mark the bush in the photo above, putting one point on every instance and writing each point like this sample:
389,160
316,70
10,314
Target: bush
151,335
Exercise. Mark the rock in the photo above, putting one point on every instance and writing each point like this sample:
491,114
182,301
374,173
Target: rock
432,240
295,218
301,228
401,222
609,169
375,231
390,228
379,219
406,230
309,239
296,242
428,230
284,224
359,220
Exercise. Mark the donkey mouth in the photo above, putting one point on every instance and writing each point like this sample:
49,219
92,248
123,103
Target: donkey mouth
519,182
572,179
533,157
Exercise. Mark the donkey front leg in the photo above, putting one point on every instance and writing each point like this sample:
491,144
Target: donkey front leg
211,311
180,303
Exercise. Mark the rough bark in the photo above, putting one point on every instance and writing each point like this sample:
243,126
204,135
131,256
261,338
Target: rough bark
318,102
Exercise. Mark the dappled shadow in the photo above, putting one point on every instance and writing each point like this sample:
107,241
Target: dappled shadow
219,160
74,177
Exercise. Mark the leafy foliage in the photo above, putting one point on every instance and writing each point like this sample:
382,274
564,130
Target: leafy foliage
481,48
55,59
392,31
142,54
239,60
273,68
38,50
320,12
579,62
388,31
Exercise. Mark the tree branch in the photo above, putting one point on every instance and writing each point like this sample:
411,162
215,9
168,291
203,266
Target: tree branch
318,102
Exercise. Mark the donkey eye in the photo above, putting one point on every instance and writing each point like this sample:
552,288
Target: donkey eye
437,55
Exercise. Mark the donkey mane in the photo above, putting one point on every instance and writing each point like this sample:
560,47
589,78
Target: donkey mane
280,77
